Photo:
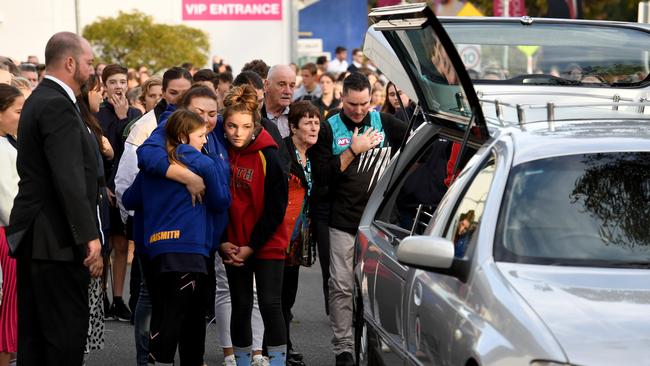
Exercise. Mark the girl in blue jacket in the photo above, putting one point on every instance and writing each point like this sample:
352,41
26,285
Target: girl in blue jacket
178,237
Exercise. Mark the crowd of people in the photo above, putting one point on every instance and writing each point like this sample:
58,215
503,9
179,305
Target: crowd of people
225,186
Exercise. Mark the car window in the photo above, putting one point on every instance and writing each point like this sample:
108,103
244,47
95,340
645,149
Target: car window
582,210
552,54
435,75
419,189
467,217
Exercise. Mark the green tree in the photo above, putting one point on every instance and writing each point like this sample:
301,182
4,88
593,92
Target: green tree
133,39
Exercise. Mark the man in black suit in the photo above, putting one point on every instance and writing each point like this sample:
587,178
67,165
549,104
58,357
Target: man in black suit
53,229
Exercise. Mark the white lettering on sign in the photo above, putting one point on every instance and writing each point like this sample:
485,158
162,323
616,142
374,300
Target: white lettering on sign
232,9
195,9
244,9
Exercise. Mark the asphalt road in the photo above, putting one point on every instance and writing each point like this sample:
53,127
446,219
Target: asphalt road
310,330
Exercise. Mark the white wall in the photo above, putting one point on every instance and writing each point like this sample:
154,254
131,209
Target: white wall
26,31
25,26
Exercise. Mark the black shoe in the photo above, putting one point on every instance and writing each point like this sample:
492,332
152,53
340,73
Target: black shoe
108,313
295,363
344,359
292,355
120,311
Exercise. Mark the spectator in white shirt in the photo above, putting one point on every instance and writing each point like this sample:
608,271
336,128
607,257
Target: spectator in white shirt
339,64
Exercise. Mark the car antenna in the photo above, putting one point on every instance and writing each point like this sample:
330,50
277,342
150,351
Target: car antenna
406,135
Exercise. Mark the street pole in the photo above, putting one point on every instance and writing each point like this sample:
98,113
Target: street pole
293,48
77,17
644,10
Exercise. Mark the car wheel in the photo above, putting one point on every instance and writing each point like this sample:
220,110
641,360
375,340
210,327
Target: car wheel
361,336
363,355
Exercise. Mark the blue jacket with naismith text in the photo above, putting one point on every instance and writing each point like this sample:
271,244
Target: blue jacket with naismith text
152,158
171,223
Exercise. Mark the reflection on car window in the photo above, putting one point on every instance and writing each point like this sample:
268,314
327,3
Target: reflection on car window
587,209
422,186
435,73
468,214
552,54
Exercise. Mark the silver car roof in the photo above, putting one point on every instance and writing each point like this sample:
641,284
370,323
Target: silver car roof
570,137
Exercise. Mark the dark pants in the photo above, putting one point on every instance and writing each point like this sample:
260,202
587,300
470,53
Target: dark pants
178,317
134,284
289,291
211,289
268,277
323,239
53,312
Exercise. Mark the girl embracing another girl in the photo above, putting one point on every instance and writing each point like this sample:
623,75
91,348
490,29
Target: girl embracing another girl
256,239
178,236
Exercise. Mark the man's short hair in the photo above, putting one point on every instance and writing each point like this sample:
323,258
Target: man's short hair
60,45
249,77
173,74
340,49
8,65
321,60
113,69
311,67
356,81
27,67
225,77
205,75
356,50
258,66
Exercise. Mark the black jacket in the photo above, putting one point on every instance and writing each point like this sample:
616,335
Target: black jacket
295,168
348,191
113,128
56,205
272,129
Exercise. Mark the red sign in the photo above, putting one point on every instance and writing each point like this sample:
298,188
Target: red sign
232,9
516,8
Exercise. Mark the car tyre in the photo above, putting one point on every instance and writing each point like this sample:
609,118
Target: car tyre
362,352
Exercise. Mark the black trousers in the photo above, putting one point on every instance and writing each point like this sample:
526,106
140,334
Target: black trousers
289,291
52,312
321,228
268,277
178,317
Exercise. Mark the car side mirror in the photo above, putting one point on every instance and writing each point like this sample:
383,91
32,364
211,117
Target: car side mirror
426,252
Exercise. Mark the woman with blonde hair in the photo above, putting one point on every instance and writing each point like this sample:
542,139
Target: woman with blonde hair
256,239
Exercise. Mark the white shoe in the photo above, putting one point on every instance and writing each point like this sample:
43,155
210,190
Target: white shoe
230,361
259,360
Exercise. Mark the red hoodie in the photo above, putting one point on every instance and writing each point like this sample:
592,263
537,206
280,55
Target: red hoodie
259,191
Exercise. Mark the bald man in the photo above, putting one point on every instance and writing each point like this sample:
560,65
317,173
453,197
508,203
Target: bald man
278,94
53,231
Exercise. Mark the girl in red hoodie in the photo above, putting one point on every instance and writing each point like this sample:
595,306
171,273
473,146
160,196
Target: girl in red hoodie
256,238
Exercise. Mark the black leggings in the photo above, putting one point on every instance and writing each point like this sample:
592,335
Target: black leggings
322,232
178,317
289,291
268,277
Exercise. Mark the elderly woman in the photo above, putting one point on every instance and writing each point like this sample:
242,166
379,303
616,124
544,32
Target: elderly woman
304,122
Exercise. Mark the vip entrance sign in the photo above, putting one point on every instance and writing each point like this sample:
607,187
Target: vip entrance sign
232,9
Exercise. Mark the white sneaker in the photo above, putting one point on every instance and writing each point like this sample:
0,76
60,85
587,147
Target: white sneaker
259,360
230,361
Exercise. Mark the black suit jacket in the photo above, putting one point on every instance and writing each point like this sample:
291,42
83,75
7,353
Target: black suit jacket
55,212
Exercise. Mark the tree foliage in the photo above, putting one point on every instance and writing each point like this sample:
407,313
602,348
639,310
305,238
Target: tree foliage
133,39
